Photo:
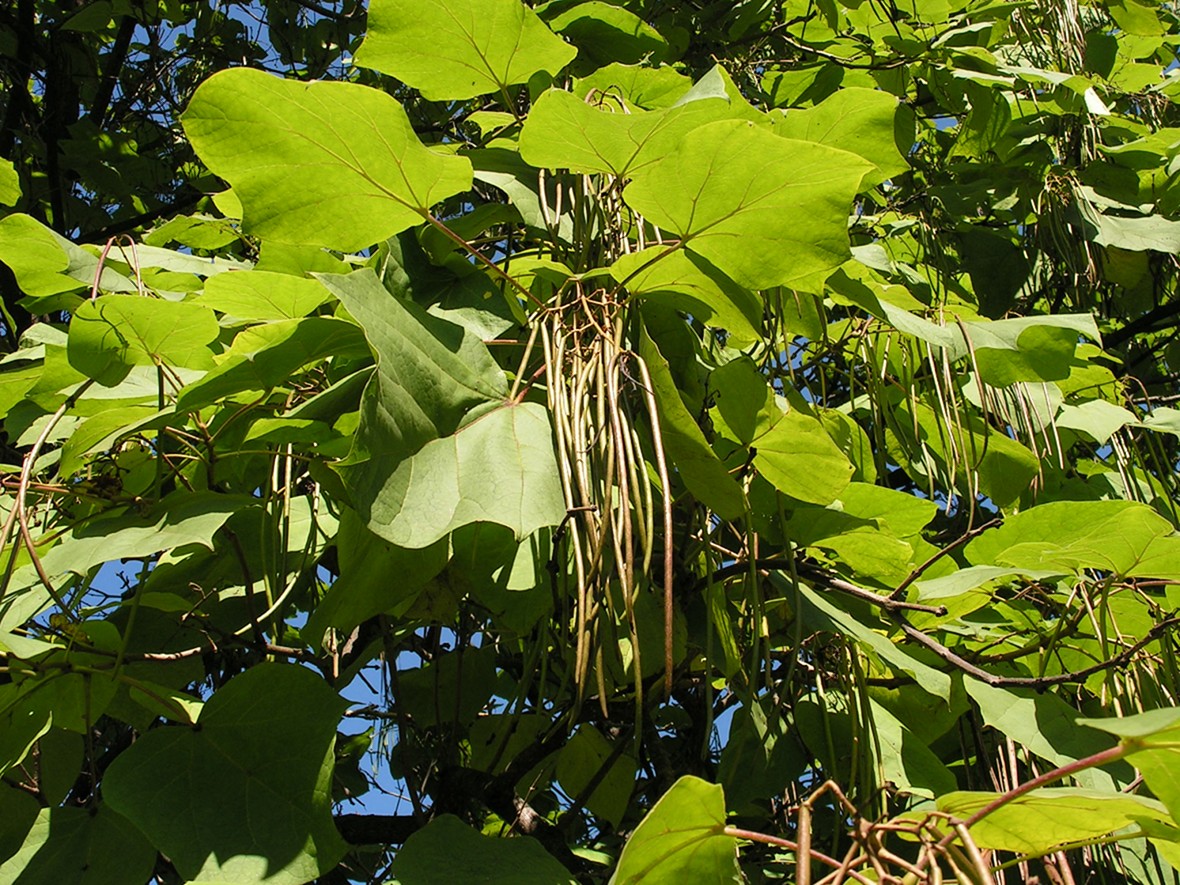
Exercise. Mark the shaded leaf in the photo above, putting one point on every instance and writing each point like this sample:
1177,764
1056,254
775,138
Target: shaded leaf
266,740
447,850
498,468
698,465
78,846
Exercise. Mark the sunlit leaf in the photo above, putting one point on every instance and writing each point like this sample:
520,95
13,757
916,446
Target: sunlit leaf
681,839
109,335
1037,822
460,48
766,210
860,121
320,163
563,131
498,468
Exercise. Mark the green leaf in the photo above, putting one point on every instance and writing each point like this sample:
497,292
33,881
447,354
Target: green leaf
860,121
79,846
1072,535
1097,418
1043,723
21,723
584,761
267,355
681,839
799,459
723,191
564,132
1153,739
640,85
606,33
447,850
111,334
190,518
1041,820
102,428
902,514
9,184
319,163
689,283
374,577
906,760
265,739
1036,348
46,263
430,372
456,49
499,468
260,295
698,465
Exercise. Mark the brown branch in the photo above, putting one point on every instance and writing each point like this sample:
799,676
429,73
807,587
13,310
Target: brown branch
939,554
818,575
1034,682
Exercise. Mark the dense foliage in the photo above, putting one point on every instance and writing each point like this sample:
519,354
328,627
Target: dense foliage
655,442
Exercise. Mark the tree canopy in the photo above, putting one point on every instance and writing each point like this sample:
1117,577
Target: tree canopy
472,440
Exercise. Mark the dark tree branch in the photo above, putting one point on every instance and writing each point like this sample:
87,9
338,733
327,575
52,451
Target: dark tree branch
127,224
110,75
1147,322
376,829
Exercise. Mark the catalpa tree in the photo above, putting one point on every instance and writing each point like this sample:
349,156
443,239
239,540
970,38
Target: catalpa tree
590,441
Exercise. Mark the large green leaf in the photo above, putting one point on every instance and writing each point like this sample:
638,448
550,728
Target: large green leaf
563,131
261,295
799,459
1043,723
243,796
9,184
319,163
766,210
447,850
46,263
184,518
455,49
79,846
430,372
681,839
1039,821
498,468
111,334
1072,535
861,121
